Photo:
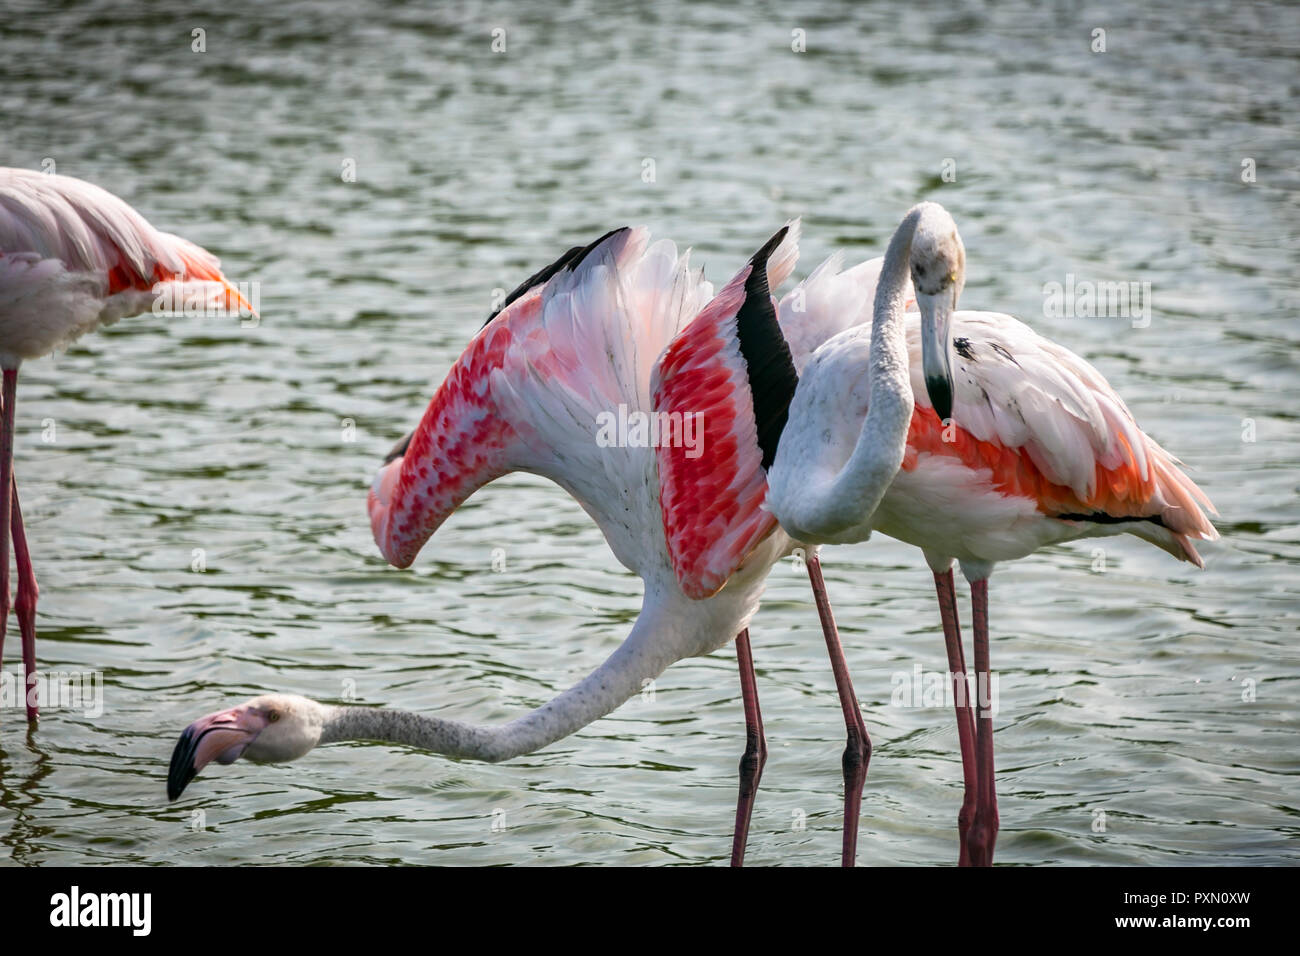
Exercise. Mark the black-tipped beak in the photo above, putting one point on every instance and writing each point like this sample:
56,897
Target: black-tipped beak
936,349
940,391
222,736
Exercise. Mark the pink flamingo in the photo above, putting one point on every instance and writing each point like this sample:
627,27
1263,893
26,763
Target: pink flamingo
1025,445
72,258
578,340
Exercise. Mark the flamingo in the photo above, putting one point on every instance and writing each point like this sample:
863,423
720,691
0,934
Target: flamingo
73,257
576,339
1015,445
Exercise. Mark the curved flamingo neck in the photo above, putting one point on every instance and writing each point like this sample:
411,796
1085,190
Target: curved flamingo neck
654,643
856,491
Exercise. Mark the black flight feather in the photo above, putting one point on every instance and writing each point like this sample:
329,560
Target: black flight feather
772,378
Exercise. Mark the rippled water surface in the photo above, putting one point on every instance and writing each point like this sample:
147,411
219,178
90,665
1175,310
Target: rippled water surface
1157,695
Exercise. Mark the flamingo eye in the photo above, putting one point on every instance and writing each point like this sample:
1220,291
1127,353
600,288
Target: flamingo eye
273,716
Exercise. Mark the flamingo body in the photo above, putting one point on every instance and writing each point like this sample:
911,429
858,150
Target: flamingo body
1037,434
528,394
1041,450
74,257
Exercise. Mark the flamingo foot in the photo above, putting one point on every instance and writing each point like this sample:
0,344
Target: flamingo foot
755,756
979,842
857,757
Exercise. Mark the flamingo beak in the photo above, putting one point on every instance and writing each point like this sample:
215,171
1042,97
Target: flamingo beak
936,347
223,737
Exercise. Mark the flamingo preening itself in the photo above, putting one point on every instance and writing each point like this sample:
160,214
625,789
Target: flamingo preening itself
1012,443
74,257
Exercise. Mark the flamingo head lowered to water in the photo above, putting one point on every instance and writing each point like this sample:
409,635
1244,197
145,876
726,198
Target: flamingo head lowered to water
273,728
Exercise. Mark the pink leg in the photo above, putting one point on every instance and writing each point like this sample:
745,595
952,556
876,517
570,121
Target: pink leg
7,395
25,607
965,716
751,764
858,752
984,827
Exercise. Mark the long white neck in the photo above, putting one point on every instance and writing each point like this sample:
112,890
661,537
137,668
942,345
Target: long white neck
650,648
855,493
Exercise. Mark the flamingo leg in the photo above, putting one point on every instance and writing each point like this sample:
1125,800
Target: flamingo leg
857,754
25,607
943,584
755,756
8,392
984,827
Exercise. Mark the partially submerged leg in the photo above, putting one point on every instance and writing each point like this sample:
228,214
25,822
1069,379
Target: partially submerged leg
751,764
857,754
943,585
8,392
984,827
25,607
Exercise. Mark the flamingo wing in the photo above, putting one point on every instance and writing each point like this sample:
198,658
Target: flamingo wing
1049,427
731,373
537,389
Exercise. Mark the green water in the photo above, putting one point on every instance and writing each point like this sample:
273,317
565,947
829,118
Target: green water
1125,691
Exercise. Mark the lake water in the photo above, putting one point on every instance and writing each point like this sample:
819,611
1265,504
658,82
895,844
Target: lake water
1148,698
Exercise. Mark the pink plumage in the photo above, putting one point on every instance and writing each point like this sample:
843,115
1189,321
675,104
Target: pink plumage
1032,423
711,501
74,257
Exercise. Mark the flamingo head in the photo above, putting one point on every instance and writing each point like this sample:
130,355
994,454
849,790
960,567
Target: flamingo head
273,728
938,266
